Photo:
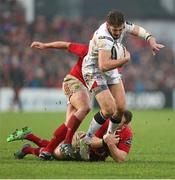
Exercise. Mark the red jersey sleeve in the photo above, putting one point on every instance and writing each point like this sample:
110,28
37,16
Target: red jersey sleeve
126,140
78,49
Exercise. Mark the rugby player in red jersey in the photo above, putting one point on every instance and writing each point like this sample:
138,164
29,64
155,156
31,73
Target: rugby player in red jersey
102,145
75,89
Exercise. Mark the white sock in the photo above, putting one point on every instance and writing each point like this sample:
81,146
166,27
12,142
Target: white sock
93,127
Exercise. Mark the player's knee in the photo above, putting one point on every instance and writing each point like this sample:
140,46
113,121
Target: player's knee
85,109
109,110
121,108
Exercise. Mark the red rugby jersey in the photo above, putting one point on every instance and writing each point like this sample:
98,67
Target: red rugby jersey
80,50
125,135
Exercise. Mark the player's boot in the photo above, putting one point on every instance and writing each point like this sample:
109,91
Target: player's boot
19,134
68,151
45,155
84,149
20,154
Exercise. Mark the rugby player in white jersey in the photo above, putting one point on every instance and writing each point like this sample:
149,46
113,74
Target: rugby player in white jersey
100,73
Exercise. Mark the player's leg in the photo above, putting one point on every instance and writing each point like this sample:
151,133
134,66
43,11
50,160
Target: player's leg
107,109
80,100
37,140
58,136
118,92
26,133
74,90
25,150
97,83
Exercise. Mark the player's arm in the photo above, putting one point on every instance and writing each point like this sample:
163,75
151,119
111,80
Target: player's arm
144,34
97,142
56,44
106,63
111,141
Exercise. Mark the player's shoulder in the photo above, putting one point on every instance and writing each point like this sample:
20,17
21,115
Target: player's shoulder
102,34
102,28
127,131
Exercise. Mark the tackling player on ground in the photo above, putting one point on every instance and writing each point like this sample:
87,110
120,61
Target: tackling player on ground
103,145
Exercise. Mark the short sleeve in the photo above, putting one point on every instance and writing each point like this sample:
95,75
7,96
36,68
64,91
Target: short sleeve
129,26
126,140
78,49
125,144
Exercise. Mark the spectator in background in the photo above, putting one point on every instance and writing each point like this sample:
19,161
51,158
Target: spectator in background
16,33
17,80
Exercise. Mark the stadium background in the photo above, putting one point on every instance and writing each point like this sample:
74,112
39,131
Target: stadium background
22,22
149,81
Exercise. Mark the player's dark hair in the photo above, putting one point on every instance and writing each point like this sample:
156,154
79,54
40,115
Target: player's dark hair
128,116
115,18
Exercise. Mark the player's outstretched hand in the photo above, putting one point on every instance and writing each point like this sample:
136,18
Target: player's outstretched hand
155,46
38,45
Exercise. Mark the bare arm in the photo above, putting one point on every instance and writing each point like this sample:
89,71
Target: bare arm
56,44
106,63
117,154
141,32
111,141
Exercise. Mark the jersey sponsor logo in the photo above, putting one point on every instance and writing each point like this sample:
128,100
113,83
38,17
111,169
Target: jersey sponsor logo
128,142
106,37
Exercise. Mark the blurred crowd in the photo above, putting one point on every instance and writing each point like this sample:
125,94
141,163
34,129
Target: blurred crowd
47,68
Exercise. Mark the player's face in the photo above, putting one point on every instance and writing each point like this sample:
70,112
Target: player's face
120,125
115,31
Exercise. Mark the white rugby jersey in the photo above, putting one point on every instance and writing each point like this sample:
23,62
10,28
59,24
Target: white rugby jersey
102,40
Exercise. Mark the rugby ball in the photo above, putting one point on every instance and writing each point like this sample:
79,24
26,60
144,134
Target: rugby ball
117,51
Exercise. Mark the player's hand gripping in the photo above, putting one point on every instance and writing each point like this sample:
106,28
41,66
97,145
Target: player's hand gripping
111,139
127,55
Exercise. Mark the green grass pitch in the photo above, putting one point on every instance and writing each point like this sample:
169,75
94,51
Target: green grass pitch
152,154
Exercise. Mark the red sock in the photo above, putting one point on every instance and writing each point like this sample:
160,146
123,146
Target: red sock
72,126
59,136
30,150
38,141
102,129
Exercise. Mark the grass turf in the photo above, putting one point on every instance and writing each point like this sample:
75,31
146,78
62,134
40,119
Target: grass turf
152,154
